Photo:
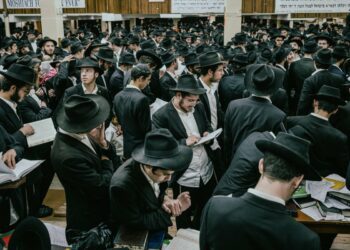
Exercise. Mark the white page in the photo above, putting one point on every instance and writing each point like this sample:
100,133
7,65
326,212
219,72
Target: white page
4,168
25,166
318,189
57,235
313,213
44,131
185,239
209,137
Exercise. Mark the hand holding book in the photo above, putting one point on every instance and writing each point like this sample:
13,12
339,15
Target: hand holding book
9,158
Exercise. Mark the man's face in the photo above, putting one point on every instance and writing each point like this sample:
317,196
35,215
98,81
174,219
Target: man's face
188,103
159,39
13,49
160,175
279,41
133,47
144,81
217,75
88,75
25,50
323,43
18,94
31,37
284,33
294,45
49,48
194,69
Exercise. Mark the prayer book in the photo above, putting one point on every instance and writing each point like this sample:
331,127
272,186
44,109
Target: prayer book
131,239
23,167
44,131
185,239
209,137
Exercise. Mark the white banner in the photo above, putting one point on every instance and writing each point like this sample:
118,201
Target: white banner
311,6
198,6
35,4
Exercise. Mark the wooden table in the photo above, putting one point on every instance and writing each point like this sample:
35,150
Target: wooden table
13,185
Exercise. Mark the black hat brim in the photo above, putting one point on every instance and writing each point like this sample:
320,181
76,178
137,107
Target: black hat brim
199,91
169,60
99,70
291,156
248,82
331,99
14,78
84,126
156,59
178,162
111,60
211,64
42,42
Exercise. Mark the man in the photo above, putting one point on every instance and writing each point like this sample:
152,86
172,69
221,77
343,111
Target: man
81,157
121,76
77,50
258,219
255,113
66,45
277,40
47,46
106,61
340,54
192,65
297,73
324,41
137,189
169,79
132,109
187,121
134,45
31,37
312,84
89,71
116,45
329,152
280,57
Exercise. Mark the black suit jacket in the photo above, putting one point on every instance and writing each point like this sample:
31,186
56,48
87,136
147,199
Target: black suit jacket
337,71
116,83
31,111
85,178
166,83
250,223
231,88
243,172
248,115
133,202
12,123
78,90
132,109
329,152
312,85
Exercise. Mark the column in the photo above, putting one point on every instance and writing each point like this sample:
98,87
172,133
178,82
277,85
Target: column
109,27
104,26
72,25
52,19
6,18
132,23
278,22
233,18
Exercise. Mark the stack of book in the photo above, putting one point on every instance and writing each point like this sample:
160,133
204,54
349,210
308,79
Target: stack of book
303,199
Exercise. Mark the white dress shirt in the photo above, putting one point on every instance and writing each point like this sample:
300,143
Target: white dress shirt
212,103
266,196
200,167
87,92
83,138
319,116
131,86
154,185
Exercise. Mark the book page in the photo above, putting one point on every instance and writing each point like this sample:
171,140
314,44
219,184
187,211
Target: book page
25,166
185,239
209,137
44,131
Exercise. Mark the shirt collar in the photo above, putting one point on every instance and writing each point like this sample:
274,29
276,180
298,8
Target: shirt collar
264,97
93,92
12,104
79,137
212,88
180,112
131,86
171,74
317,70
266,196
319,116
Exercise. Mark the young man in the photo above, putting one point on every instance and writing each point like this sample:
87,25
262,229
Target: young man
132,109
47,46
187,121
106,61
258,219
81,157
137,190
169,79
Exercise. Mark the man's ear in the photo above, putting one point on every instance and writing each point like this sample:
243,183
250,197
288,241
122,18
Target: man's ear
261,166
315,103
13,88
296,181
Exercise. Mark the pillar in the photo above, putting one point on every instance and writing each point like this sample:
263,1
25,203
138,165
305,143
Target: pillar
110,27
104,26
52,19
278,23
6,19
132,23
233,18
72,26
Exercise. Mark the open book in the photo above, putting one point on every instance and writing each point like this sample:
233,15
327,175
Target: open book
23,167
185,239
209,137
44,131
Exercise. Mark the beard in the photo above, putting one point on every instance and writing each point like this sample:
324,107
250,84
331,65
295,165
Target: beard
183,108
15,97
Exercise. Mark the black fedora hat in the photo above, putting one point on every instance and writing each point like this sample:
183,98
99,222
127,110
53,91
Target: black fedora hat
280,54
330,94
95,44
191,59
188,83
340,52
240,38
89,63
291,148
107,54
45,40
127,58
160,149
81,114
241,59
209,59
260,80
8,60
148,48
65,42
323,56
134,40
324,36
310,46
168,57
76,47
20,74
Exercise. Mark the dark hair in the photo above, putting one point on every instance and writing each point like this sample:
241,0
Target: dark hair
321,66
5,84
140,70
169,64
278,168
205,70
327,106
147,60
183,94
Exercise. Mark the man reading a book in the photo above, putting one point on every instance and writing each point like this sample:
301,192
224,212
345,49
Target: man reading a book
137,190
258,219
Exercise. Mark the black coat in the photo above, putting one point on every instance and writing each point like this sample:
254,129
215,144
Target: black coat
248,115
312,85
133,202
250,223
167,82
85,178
31,111
116,83
231,88
243,172
132,109
78,90
329,151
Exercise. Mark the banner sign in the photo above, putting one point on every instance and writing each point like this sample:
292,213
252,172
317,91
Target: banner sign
35,4
198,6
311,6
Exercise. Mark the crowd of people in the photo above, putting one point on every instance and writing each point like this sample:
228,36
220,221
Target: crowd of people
279,95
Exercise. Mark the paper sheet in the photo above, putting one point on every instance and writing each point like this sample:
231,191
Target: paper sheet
57,235
44,131
209,137
313,213
318,189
